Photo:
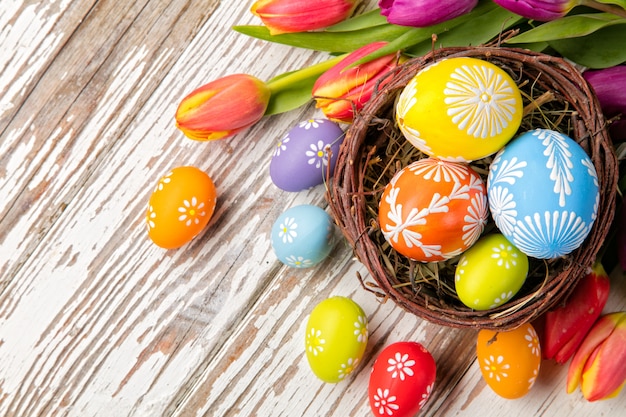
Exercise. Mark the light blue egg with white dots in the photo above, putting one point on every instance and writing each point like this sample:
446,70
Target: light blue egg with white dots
302,236
543,193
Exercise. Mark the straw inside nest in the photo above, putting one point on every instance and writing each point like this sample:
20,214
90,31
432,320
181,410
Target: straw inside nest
428,288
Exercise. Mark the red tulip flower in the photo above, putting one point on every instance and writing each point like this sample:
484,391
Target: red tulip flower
566,326
223,107
599,365
344,88
285,16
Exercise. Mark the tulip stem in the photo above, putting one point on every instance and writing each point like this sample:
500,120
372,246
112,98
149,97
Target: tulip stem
604,7
288,80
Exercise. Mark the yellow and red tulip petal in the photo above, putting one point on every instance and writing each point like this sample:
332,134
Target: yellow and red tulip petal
288,16
345,88
223,107
599,365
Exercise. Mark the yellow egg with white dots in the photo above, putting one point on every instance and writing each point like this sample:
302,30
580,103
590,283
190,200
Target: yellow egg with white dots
460,109
490,273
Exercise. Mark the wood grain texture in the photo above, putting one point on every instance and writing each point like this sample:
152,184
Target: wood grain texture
97,321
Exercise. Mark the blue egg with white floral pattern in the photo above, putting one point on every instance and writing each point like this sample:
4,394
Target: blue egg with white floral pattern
543,193
306,154
303,236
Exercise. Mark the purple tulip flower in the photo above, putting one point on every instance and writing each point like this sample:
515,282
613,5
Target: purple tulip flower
422,13
608,84
542,10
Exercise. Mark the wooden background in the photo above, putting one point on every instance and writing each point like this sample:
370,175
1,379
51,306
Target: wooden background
95,320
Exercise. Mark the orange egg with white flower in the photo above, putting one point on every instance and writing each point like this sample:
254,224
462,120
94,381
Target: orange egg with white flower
509,360
433,210
180,207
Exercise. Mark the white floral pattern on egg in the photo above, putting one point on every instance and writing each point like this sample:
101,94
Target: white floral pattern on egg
543,193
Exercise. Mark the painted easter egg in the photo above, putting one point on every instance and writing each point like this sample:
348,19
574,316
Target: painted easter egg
180,207
490,273
306,155
460,109
433,210
302,236
335,339
543,193
401,380
509,360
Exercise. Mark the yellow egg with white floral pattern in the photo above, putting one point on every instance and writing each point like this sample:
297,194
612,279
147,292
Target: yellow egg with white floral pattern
460,109
336,337
180,206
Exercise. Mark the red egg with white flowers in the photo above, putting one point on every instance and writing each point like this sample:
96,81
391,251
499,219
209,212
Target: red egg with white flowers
433,210
402,379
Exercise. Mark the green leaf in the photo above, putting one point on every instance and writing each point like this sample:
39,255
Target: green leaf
491,24
568,27
328,41
287,99
620,3
361,21
602,49
291,90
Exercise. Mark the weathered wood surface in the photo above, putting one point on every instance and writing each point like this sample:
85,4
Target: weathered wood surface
97,321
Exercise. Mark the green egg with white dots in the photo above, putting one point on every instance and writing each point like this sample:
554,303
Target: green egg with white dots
336,337
490,273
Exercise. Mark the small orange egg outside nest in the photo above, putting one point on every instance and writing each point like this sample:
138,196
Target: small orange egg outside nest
180,207
509,360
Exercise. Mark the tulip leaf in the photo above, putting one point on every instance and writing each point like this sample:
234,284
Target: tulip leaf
361,21
568,27
490,23
293,89
287,99
621,3
347,41
602,49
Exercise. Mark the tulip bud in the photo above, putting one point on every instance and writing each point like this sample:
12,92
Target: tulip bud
612,99
599,365
285,16
223,107
344,89
422,13
566,326
541,10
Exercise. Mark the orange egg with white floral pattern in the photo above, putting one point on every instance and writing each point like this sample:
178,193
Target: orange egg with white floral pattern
509,360
180,207
433,210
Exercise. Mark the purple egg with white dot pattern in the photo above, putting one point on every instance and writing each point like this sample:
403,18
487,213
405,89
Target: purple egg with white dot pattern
303,157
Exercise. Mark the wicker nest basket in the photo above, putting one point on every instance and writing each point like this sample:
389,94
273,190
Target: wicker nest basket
555,96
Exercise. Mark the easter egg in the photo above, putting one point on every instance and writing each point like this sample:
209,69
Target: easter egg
302,236
543,193
401,380
460,109
336,337
490,273
433,210
180,207
306,155
509,360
